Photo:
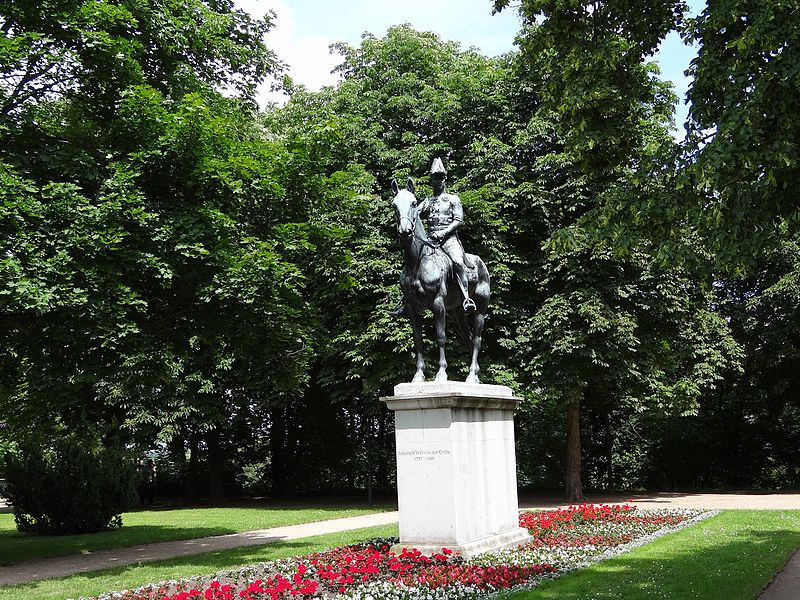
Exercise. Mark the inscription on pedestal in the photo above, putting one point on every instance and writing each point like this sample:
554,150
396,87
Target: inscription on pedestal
423,455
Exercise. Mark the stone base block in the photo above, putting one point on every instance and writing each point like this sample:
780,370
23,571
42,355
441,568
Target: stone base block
456,469
500,541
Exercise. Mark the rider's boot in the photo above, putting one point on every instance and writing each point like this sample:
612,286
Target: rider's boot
469,304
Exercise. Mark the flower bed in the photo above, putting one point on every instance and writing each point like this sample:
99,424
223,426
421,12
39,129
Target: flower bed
562,540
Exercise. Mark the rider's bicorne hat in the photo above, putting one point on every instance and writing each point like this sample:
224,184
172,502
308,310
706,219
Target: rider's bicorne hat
437,167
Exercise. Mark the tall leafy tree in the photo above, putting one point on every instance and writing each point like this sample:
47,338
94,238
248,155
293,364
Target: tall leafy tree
591,57
404,99
743,129
157,237
612,327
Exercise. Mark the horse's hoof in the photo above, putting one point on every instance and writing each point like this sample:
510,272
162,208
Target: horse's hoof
441,376
418,377
473,379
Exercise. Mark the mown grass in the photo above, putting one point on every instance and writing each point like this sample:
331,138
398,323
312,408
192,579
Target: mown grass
731,556
161,525
133,576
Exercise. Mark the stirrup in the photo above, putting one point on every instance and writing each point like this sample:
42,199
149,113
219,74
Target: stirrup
469,305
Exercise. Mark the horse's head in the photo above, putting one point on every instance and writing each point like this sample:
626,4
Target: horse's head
405,208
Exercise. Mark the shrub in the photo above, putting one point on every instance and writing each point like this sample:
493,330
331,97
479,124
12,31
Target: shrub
68,486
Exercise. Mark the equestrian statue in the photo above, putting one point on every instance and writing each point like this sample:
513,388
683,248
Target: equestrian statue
438,274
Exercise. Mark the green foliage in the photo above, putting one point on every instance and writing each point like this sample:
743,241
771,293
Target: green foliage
405,99
628,332
743,128
416,97
591,60
179,267
613,324
68,485
755,417
164,246
93,50
571,316
158,239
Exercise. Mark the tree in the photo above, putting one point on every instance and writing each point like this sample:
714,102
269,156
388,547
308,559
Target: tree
753,418
158,239
404,99
736,185
743,128
612,327
591,57
94,49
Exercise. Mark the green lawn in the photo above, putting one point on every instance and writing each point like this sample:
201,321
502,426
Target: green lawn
202,564
147,526
732,556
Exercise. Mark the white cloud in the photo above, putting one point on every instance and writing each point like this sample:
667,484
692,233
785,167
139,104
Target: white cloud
304,31
301,39
308,58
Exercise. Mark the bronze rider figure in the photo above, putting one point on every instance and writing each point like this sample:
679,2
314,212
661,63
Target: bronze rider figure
444,214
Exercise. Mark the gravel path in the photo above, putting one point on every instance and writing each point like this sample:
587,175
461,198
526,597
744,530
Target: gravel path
749,500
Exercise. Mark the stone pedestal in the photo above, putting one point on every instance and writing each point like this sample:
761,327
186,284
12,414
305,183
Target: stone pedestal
456,467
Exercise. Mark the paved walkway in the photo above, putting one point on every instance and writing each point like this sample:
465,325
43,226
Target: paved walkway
786,586
108,559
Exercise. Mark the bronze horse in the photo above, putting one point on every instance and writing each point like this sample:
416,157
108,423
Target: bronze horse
427,282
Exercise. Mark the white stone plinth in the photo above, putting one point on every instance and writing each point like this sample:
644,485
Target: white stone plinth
456,467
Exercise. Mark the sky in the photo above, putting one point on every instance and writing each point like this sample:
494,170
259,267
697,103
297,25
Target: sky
304,29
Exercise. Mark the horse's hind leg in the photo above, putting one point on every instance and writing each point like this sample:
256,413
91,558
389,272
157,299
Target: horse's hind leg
477,338
440,313
416,327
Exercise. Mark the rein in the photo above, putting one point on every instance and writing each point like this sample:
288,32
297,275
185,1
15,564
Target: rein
420,239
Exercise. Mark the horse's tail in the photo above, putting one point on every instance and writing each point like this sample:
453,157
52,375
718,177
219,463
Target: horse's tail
463,330
482,290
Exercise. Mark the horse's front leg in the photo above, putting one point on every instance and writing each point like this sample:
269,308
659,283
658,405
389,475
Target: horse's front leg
416,327
439,312
477,338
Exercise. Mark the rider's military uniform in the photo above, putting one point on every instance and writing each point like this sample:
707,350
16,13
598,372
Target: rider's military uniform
445,214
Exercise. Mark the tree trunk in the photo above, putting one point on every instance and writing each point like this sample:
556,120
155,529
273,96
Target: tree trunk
216,487
278,458
194,465
573,487
609,447
382,468
177,448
